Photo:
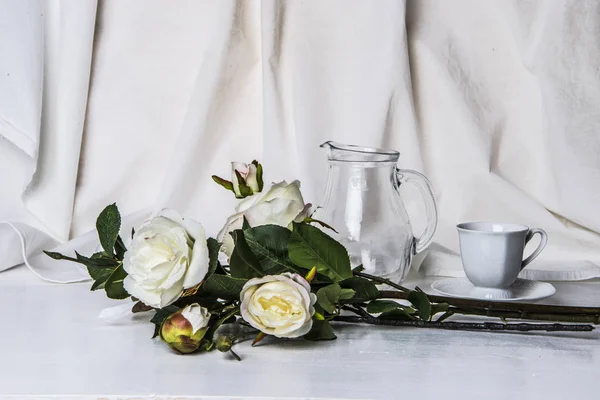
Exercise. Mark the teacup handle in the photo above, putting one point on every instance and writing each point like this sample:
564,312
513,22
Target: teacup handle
424,186
543,241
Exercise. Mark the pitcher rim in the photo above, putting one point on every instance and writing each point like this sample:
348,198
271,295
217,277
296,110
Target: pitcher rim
393,154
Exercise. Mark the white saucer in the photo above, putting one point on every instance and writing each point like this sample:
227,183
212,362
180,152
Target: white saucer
522,289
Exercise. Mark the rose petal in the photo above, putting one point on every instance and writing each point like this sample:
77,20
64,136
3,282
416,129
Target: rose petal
116,313
171,294
149,297
251,178
277,212
198,266
197,315
234,222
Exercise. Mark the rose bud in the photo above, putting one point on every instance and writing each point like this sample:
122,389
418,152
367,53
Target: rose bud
246,179
223,343
184,330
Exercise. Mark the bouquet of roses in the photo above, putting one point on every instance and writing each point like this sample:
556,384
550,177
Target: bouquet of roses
284,277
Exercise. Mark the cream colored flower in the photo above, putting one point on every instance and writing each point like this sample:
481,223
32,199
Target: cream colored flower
278,305
280,204
167,255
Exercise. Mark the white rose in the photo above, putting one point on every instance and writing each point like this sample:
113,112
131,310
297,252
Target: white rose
279,305
197,316
280,204
167,255
248,172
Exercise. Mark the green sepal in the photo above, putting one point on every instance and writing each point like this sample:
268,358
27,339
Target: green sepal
223,182
160,316
259,175
245,190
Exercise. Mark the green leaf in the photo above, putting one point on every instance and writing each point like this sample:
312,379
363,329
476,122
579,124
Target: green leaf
243,262
114,284
100,255
309,220
202,297
360,268
321,330
223,182
97,285
108,225
245,190
160,316
364,289
99,275
328,297
224,287
210,333
381,306
309,246
245,224
97,261
213,256
400,314
347,294
163,313
259,175
421,302
269,243
439,307
120,248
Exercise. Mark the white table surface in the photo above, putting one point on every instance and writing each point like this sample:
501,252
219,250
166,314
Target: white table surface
53,344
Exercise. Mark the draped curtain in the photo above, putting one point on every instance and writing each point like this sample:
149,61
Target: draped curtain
139,102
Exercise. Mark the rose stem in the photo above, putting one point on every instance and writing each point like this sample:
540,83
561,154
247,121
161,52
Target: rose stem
510,310
493,326
369,319
382,280
234,354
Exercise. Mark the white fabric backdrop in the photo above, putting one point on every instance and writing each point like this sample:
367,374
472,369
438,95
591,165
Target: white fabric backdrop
497,102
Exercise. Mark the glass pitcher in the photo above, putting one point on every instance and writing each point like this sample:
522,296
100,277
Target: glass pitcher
363,203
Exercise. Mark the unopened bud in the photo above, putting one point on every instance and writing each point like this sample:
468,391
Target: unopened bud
224,343
180,333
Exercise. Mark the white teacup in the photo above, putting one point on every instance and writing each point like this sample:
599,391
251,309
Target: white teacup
492,253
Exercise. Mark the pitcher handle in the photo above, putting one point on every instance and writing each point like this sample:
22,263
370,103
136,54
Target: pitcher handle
419,180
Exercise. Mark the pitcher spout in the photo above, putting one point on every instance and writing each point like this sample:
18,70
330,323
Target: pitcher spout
329,147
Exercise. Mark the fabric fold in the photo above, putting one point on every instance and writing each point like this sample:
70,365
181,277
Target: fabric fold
504,122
